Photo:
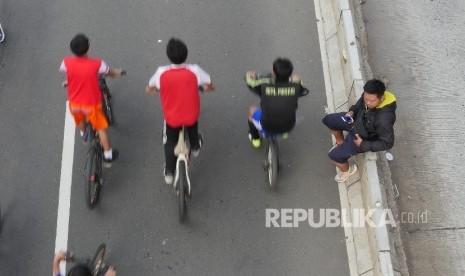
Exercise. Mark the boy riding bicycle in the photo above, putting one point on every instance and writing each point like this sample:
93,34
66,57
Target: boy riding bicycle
279,95
178,84
85,98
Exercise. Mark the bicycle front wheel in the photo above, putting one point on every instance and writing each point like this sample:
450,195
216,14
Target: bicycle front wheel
93,176
182,194
272,162
107,108
97,261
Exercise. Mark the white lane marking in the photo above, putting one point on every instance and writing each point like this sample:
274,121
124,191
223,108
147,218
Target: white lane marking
64,200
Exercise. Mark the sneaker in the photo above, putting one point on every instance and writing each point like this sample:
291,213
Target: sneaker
255,142
169,178
107,162
196,152
343,176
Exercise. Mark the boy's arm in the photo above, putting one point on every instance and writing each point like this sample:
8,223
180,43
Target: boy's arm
253,83
60,256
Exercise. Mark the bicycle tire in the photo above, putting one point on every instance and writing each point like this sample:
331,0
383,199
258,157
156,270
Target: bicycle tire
97,261
106,102
272,159
108,109
182,186
93,176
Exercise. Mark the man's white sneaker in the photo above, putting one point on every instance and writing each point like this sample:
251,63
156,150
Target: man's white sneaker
343,176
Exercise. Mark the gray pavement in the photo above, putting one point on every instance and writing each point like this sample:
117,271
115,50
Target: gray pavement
137,216
416,47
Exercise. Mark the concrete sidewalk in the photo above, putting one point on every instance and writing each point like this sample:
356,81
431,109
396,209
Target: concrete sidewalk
371,250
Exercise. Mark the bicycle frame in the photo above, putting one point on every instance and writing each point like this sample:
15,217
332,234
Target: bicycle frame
182,150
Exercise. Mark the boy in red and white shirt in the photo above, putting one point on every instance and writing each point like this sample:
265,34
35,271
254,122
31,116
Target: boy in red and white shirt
178,84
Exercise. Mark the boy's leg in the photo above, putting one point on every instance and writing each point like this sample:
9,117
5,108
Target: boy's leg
252,129
170,139
193,132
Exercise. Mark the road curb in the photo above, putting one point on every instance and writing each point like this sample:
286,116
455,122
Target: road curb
368,248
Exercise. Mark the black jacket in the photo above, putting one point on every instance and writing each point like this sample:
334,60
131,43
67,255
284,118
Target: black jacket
375,126
278,102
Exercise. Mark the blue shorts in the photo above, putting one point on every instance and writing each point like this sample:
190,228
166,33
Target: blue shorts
342,153
256,117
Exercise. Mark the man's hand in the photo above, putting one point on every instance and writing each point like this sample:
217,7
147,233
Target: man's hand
208,87
296,79
358,140
350,113
251,74
150,89
111,271
117,72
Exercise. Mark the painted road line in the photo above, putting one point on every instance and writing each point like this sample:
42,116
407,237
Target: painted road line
64,200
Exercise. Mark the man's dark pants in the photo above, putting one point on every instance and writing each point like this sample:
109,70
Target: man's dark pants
341,153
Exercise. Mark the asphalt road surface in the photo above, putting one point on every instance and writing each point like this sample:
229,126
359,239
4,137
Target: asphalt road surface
137,216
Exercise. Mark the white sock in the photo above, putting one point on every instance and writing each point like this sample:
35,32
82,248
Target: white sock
108,154
82,133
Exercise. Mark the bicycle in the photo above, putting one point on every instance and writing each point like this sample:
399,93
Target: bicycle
95,265
182,183
93,173
271,164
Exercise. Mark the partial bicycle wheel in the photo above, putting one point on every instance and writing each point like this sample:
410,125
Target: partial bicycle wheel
182,194
272,163
96,265
108,109
106,102
92,177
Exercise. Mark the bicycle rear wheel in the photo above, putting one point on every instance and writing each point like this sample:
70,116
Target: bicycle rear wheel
93,176
272,162
97,261
182,186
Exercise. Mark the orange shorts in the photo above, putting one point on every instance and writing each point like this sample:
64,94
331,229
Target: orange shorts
93,113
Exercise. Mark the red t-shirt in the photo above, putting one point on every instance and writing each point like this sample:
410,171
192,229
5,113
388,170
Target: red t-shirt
82,74
179,92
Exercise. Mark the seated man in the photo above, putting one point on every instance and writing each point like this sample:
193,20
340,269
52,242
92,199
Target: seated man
278,94
369,125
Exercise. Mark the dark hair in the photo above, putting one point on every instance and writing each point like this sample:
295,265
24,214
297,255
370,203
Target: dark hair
282,68
176,51
79,45
375,86
79,270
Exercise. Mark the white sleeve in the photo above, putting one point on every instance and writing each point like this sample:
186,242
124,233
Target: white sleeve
104,69
155,79
62,67
202,76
